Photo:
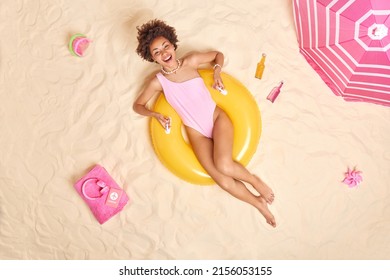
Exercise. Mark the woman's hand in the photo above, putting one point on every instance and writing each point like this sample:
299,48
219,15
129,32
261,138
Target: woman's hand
163,120
217,79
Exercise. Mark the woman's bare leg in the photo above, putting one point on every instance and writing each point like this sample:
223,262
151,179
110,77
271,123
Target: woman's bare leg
223,146
203,149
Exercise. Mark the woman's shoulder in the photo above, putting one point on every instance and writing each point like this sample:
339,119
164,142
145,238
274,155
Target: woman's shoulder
153,82
197,58
191,58
191,55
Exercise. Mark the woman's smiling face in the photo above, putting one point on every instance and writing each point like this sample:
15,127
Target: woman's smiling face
163,52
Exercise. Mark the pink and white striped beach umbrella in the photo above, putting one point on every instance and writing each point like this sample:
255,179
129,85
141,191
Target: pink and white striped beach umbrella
348,43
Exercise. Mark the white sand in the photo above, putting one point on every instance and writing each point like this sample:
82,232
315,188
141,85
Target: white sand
61,114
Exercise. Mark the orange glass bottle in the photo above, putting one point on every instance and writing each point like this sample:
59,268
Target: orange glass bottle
260,67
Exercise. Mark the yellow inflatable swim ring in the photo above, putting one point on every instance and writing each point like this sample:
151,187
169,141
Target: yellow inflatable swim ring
174,151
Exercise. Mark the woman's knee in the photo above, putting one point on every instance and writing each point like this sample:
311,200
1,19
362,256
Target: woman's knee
224,165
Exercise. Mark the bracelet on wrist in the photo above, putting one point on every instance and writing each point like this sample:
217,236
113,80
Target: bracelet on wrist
217,65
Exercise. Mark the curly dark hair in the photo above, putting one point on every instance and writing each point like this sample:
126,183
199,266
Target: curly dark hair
150,31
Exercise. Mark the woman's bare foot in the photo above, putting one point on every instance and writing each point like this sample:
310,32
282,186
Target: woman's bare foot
265,191
263,208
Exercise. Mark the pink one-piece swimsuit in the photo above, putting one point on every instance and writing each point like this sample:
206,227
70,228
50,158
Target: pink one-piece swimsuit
192,101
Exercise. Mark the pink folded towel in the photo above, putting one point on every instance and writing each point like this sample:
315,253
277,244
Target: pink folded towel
101,193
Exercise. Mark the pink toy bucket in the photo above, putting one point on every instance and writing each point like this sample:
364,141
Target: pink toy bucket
78,44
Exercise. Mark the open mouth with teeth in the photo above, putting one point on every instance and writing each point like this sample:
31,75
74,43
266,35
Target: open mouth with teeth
168,59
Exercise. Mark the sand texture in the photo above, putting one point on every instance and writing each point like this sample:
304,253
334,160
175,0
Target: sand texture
60,115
